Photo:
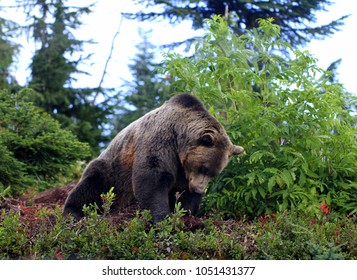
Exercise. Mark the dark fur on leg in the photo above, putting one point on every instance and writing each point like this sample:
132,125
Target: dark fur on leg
190,202
93,183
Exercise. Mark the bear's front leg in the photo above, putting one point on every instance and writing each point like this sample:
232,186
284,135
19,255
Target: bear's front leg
151,189
190,202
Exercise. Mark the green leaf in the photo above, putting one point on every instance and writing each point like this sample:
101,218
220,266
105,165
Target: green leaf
271,183
262,191
285,175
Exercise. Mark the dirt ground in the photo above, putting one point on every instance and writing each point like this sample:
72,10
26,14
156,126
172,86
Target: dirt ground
29,205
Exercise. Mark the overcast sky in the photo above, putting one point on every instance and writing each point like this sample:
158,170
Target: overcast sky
104,22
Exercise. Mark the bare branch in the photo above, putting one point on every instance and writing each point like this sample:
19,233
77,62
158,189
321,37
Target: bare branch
107,61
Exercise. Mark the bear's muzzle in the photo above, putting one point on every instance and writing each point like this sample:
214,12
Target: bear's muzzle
198,183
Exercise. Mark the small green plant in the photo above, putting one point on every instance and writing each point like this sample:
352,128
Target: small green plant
4,192
13,239
108,199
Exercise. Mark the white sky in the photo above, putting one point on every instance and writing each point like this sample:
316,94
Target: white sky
103,23
341,45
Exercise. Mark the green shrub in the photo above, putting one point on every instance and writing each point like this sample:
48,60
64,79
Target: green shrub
34,150
42,233
287,236
296,126
295,235
13,239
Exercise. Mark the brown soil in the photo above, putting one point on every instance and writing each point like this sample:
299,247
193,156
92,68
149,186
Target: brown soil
31,203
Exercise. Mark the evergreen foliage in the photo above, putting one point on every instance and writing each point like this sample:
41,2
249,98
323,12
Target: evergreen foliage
296,19
148,89
8,51
34,150
296,126
53,65
50,69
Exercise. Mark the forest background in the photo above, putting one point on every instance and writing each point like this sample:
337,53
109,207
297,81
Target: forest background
296,121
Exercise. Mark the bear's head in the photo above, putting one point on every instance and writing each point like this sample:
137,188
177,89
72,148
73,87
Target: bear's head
207,158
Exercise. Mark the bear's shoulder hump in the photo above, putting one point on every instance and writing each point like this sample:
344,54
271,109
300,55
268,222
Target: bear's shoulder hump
187,101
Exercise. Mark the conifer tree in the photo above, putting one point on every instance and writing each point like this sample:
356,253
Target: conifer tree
147,90
8,51
53,66
34,150
296,19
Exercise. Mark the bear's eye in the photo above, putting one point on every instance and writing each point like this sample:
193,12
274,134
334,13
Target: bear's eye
206,140
203,170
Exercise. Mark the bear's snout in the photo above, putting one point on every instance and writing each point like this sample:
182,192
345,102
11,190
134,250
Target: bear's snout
198,183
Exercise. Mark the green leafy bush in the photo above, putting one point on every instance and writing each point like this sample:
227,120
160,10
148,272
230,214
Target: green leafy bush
296,126
34,150
13,237
294,235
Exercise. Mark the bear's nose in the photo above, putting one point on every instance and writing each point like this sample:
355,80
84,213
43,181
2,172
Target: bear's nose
198,183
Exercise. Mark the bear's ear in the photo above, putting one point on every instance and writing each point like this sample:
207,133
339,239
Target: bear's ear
237,150
206,140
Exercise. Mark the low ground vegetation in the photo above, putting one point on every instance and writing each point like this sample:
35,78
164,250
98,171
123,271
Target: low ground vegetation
34,230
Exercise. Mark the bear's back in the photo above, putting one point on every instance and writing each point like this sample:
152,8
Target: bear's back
180,113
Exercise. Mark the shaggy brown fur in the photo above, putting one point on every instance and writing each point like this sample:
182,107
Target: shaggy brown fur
178,147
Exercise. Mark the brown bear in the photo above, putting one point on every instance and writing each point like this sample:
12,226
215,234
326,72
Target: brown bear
176,148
